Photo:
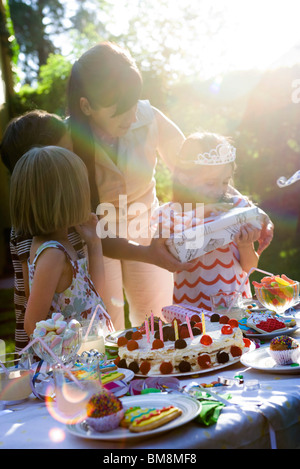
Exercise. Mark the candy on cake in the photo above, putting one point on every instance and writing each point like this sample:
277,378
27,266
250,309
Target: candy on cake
104,411
284,350
185,350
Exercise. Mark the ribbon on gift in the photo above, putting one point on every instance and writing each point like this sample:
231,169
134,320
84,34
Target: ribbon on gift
284,182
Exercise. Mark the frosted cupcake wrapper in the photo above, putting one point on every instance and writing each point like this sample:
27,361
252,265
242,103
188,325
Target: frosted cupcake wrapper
107,423
285,357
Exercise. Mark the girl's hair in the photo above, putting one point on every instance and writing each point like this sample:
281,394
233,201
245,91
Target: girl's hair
105,75
201,142
49,191
32,128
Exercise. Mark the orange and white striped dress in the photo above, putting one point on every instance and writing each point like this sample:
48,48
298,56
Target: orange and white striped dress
218,270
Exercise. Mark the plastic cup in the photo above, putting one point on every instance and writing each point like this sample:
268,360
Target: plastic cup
95,338
71,397
221,301
15,379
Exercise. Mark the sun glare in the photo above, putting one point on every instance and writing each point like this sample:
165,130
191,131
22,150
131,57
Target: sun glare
209,38
227,34
263,32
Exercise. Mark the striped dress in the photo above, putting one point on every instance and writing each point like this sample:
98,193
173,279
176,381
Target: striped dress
218,270
20,251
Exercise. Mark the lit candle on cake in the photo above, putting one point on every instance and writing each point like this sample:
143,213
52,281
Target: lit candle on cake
176,329
189,326
203,324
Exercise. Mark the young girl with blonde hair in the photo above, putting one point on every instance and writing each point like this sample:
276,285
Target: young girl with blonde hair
49,194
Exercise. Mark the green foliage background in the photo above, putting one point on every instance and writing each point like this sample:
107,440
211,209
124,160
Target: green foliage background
255,108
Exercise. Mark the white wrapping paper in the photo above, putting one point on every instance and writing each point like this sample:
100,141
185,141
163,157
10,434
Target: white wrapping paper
211,235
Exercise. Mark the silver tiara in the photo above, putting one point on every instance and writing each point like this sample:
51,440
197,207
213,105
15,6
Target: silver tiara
223,153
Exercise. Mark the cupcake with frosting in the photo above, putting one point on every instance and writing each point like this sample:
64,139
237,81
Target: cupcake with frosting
104,411
284,350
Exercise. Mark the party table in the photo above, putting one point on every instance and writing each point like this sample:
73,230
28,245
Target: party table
267,417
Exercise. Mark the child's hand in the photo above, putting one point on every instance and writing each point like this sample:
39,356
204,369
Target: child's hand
159,255
87,230
266,236
248,235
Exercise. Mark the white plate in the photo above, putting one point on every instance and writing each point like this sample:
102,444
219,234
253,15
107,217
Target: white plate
113,337
270,335
45,388
190,409
126,372
120,387
260,359
189,373
198,372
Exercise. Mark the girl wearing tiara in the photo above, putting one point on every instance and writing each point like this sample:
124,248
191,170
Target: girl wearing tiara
49,194
203,174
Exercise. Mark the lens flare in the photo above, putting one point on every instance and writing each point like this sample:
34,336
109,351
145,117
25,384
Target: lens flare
69,406
57,435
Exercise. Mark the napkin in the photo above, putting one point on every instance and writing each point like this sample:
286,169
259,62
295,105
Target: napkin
210,409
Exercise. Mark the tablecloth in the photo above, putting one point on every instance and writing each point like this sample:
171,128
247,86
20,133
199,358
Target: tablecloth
273,424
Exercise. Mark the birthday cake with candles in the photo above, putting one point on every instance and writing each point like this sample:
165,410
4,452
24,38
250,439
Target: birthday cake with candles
180,347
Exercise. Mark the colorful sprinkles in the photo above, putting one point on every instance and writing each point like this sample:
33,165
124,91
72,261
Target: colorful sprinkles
102,404
284,341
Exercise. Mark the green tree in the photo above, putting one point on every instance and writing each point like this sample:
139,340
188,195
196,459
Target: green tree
34,22
50,92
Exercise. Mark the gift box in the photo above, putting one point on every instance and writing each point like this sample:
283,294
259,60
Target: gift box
180,312
214,233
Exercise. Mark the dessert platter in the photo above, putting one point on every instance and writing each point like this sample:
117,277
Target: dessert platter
265,324
142,416
178,349
265,358
268,317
